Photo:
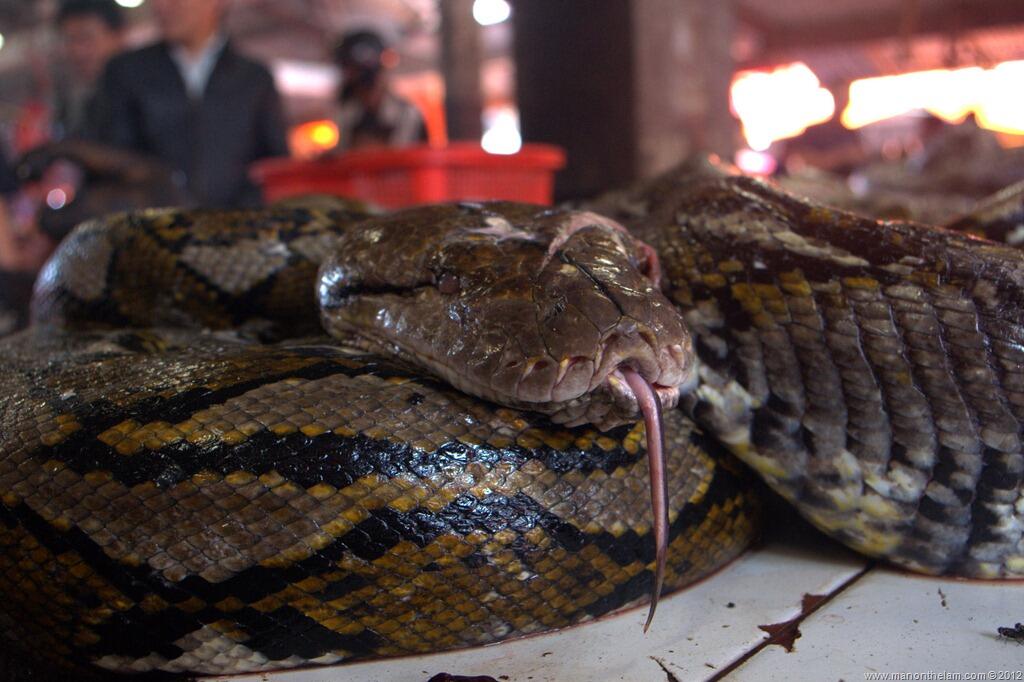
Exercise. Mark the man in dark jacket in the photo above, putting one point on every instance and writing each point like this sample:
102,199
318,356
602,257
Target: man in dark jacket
195,103
91,33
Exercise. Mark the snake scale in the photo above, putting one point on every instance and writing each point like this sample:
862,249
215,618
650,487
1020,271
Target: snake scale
194,479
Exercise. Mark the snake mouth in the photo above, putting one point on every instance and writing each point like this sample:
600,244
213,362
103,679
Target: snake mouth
598,392
619,385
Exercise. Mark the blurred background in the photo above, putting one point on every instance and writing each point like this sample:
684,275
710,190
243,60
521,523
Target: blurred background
673,75
894,108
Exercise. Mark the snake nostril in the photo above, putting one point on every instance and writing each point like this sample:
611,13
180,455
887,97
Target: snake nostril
648,265
644,266
333,295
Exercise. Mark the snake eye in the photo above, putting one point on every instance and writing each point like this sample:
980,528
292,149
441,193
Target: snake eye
448,284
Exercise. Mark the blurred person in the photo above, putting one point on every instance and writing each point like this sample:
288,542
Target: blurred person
192,101
23,248
76,180
91,33
22,251
56,187
369,113
9,248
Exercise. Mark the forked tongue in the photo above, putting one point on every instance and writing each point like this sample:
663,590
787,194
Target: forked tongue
650,407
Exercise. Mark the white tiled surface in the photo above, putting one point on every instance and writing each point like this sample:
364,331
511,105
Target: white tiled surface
878,620
889,622
694,634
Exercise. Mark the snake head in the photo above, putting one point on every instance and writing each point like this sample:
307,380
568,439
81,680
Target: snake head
526,306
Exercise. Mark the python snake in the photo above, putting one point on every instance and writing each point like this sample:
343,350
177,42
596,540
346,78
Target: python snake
181,500
872,373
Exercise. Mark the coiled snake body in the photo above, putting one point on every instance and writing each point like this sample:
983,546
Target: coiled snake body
183,500
872,373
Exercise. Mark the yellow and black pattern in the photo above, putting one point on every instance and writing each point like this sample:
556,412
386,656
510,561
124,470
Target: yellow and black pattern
208,269
188,502
872,373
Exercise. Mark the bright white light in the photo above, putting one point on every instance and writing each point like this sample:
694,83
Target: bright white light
130,4
502,134
1,41
777,104
1002,105
994,95
487,12
948,94
296,78
754,162
56,198
758,142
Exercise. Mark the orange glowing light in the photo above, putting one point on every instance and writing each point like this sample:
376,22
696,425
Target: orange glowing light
313,138
774,105
993,95
323,133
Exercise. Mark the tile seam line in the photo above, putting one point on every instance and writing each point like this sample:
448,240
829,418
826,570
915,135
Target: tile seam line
764,643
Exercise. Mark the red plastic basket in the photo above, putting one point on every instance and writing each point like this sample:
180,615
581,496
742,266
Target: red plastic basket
418,175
